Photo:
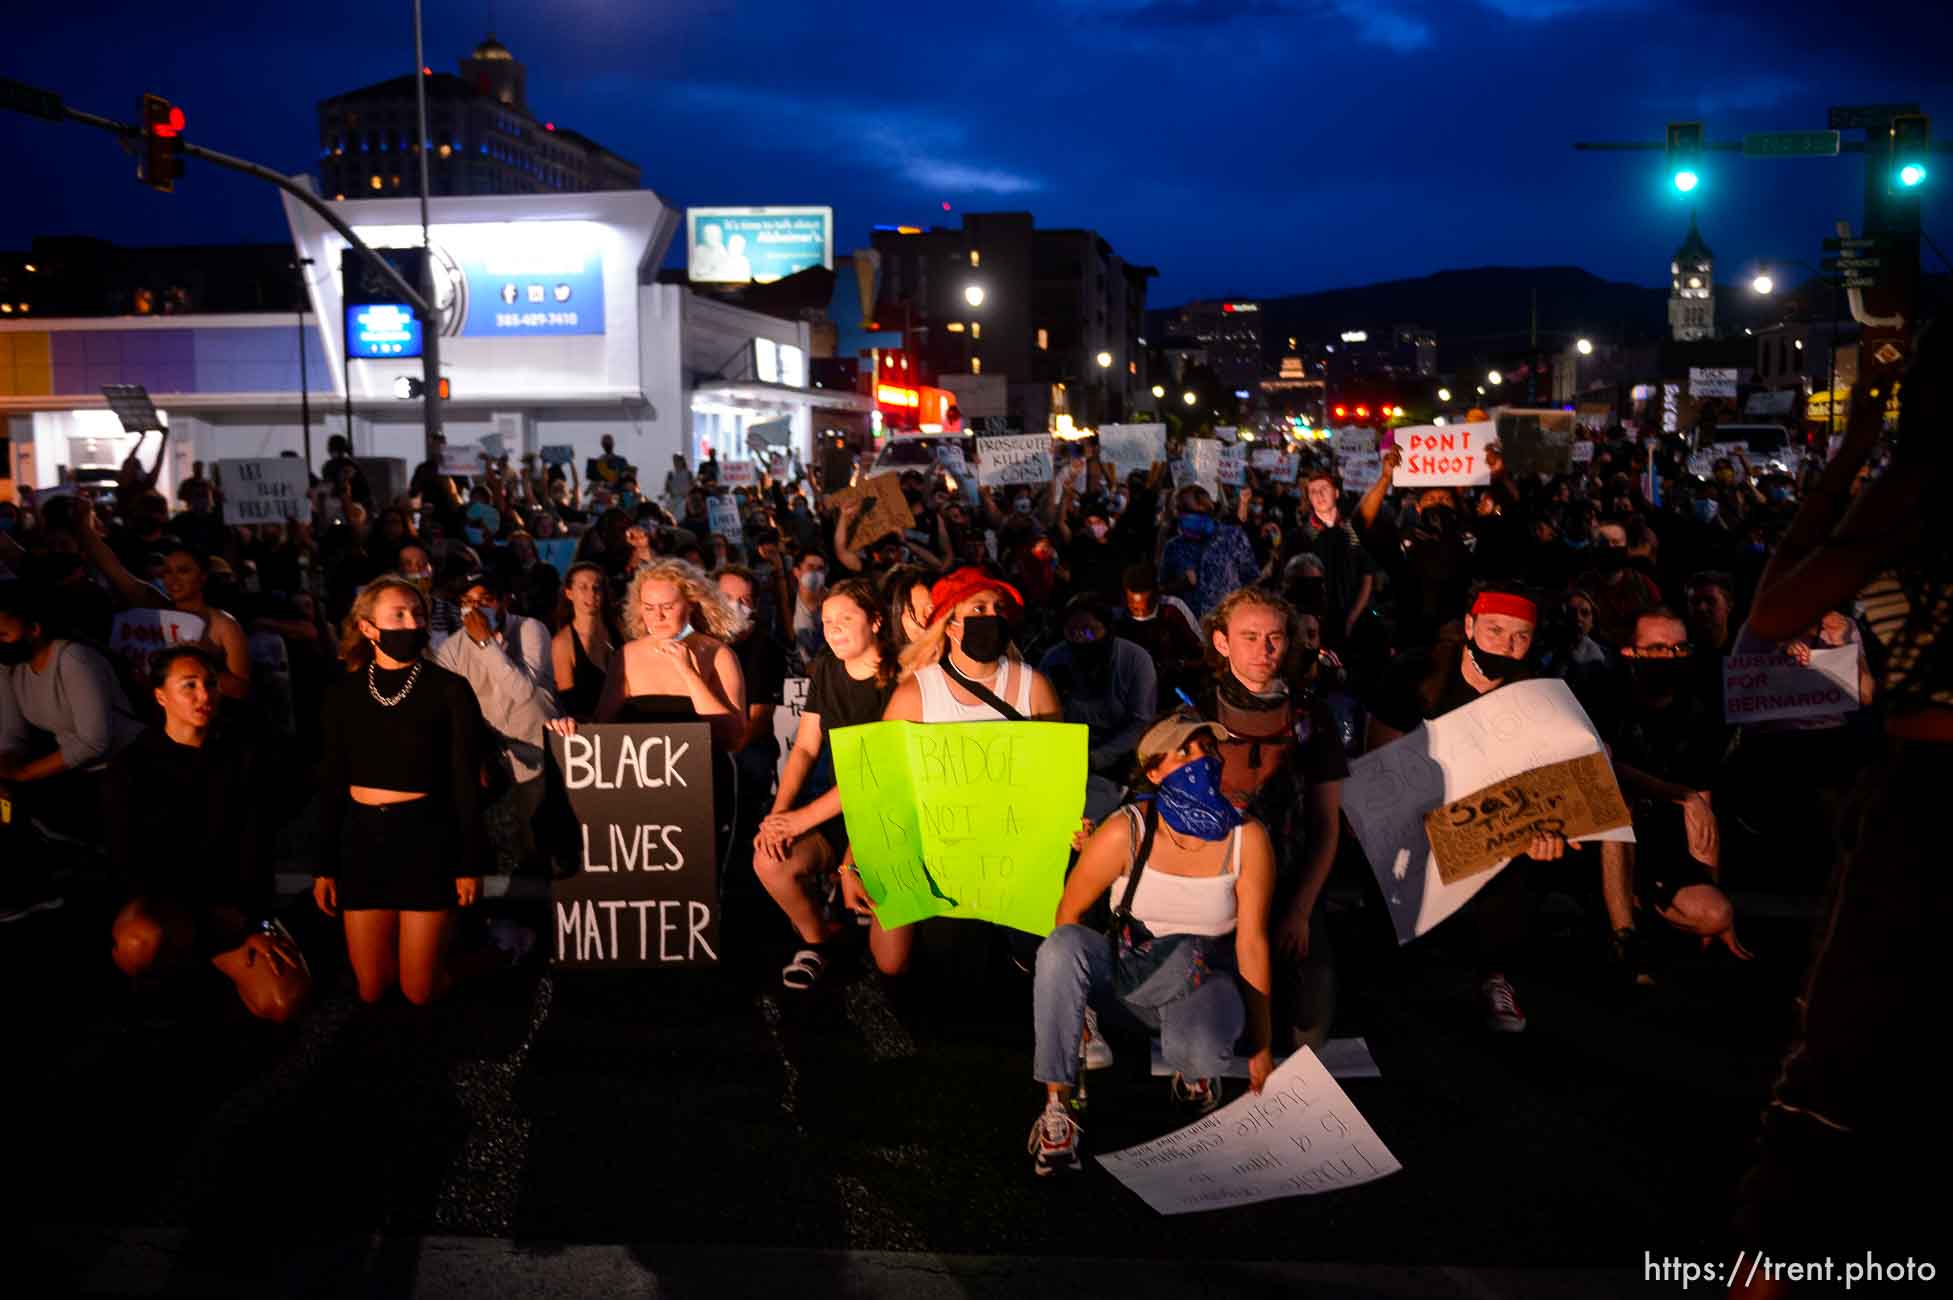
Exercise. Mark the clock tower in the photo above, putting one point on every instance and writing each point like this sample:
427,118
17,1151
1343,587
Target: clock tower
1692,290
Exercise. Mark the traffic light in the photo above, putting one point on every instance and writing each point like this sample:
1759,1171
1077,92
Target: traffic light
1911,141
162,143
411,386
1684,154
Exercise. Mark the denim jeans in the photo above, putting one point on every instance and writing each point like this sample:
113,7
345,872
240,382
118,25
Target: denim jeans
1197,1023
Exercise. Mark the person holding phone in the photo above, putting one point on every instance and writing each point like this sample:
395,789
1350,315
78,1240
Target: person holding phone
402,842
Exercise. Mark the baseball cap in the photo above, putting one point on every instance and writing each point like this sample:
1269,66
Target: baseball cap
1174,730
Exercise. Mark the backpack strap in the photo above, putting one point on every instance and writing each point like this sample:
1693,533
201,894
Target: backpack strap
1005,708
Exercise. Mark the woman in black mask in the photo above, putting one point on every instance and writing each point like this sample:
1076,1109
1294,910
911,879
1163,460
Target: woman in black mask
402,842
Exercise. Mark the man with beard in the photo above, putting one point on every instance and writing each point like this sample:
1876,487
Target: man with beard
1668,746
1420,685
1107,684
1283,764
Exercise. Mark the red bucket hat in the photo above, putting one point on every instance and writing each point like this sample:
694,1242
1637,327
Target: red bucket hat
959,585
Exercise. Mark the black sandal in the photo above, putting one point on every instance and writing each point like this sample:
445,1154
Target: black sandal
804,971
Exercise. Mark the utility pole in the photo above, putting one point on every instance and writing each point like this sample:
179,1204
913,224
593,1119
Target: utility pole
430,327
304,380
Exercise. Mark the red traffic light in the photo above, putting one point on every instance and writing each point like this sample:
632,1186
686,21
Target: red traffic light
1362,412
1341,411
162,132
171,124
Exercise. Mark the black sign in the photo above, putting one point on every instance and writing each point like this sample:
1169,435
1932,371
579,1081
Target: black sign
1841,245
993,425
647,891
366,284
1867,117
1536,442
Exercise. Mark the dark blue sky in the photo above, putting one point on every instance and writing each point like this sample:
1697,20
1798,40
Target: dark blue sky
1244,147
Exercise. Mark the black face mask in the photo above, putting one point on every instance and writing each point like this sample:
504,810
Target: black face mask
1088,657
1442,520
403,644
1500,668
15,652
1662,676
1307,594
984,637
1610,559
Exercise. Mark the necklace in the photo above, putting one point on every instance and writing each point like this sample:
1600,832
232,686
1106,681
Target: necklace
373,689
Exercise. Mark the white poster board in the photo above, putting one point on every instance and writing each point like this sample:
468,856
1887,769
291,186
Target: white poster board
722,517
738,473
560,453
1302,1135
265,491
1128,447
1359,470
1444,455
1770,687
1500,735
136,634
1582,451
1233,470
1227,433
1200,463
786,719
460,459
1352,438
1711,382
1012,459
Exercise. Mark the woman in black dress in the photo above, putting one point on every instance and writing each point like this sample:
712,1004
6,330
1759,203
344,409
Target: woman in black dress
583,648
403,842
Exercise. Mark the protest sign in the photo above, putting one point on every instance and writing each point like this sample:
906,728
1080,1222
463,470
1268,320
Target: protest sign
1226,433
559,454
1502,734
1301,1135
722,517
1711,382
1770,687
1535,442
884,509
950,455
1233,470
647,893
136,634
1011,460
1286,469
1265,457
738,473
1200,463
1444,455
964,819
1352,439
1359,470
1476,833
1128,447
1582,452
460,459
786,718
267,491
559,553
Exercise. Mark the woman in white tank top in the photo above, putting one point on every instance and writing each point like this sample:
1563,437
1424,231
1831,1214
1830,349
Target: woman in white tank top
965,644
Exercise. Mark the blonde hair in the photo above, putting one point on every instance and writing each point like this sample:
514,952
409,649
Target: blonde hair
932,643
1217,618
722,618
354,648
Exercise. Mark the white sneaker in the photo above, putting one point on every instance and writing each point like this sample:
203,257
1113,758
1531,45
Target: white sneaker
1094,1053
1502,1013
1054,1141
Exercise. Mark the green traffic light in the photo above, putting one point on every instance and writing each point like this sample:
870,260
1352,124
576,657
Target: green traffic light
1912,174
1686,181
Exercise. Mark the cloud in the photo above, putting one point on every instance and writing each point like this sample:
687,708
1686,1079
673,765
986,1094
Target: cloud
931,151
1379,22
1540,11
1383,25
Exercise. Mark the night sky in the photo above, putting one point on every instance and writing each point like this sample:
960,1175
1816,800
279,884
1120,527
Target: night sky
1244,147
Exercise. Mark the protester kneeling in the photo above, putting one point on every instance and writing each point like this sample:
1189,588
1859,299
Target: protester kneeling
184,832
1187,871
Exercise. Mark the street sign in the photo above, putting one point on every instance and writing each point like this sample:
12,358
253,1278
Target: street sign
1791,144
1888,354
1866,117
1859,282
1847,245
31,100
1851,263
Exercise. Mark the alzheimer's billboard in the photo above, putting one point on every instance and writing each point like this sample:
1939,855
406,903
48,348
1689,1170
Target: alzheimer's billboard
756,245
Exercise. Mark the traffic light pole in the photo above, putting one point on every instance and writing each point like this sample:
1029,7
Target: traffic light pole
48,105
430,323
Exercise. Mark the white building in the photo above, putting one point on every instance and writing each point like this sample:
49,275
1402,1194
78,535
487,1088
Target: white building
550,337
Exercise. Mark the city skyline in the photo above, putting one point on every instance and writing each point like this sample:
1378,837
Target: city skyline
1123,116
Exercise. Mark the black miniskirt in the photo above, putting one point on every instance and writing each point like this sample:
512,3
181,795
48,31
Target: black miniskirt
398,857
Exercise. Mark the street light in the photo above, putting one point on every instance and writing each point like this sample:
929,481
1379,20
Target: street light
1105,360
1763,284
1493,378
974,295
1444,394
1190,397
1159,391
1585,347
1481,390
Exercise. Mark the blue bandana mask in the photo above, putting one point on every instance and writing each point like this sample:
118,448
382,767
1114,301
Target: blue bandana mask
1191,802
1196,527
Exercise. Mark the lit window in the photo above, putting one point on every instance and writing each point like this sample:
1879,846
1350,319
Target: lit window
446,150
976,329
976,258
976,365
955,327
1044,341
373,182
1132,367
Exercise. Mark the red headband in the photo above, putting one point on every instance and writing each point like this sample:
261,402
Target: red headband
1504,602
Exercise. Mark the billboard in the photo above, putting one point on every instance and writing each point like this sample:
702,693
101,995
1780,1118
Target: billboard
756,245
377,329
509,279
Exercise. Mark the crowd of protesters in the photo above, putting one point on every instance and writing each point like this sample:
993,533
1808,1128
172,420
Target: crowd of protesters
384,672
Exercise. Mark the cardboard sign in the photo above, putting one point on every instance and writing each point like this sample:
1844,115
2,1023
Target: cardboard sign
1444,455
964,819
559,454
722,517
1359,470
786,719
1535,442
1302,1135
738,473
1199,463
1009,461
136,634
1767,688
647,893
1125,448
265,491
1707,382
1233,471
884,509
1500,735
1575,798
460,459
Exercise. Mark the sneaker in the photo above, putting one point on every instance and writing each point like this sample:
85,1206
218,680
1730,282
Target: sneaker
1502,1013
277,930
1054,1141
1198,1095
1094,1053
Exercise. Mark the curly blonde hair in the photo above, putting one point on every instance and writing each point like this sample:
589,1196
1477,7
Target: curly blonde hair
722,619
354,648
